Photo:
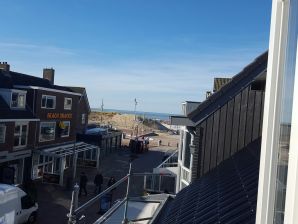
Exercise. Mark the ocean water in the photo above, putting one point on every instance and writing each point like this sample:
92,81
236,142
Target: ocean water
151,115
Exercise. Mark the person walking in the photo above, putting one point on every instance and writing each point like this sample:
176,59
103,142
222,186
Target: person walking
98,180
83,183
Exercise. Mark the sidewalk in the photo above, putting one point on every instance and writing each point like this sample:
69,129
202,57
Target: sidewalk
54,200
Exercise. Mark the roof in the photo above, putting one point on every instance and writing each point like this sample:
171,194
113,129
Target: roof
7,113
83,92
238,82
227,194
10,79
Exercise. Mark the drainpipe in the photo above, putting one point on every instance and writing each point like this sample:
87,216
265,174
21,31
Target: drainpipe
192,149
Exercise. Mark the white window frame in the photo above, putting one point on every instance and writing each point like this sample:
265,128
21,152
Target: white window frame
67,107
271,124
19,92
4,133
63,136
21,124
47,122
48,97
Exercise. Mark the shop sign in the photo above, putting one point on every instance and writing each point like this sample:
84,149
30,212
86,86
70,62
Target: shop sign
59,116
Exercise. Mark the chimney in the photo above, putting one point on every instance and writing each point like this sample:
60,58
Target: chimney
49,74
4,66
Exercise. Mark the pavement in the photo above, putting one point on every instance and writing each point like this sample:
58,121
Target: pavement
54,201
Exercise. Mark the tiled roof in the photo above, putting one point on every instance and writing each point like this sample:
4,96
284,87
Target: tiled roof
7,113
14,78
228,194
231,89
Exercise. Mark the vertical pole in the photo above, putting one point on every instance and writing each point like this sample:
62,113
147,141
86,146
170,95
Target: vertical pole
74,205
98,159
74,161
62,166
125,220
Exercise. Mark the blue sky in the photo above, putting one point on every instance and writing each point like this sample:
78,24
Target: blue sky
161,52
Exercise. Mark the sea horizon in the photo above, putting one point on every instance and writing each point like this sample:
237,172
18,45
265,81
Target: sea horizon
146,114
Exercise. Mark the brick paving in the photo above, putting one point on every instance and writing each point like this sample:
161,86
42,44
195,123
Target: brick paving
54,200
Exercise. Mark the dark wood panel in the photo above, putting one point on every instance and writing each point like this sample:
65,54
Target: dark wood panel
242,124
208,144
249,117
229,125
213,155
202,162
257,116
221,134
235,124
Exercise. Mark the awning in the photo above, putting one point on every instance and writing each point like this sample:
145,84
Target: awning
64,150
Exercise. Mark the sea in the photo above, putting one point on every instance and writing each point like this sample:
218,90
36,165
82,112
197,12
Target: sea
150,115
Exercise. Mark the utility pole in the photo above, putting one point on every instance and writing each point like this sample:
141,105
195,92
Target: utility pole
101,110
135,111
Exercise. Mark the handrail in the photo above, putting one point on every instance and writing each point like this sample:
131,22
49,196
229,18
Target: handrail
92,200
170,157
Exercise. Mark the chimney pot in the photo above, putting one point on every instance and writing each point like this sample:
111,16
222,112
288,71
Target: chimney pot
5,66
49,74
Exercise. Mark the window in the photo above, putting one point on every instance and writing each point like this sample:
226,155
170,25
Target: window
67,103
2,133
18,100
47,131
20,135
48,102
65,128
83,118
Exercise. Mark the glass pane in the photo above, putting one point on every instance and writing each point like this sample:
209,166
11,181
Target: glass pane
14,100
286,115
23,139
16,141
2,134
21,100
47,131
50,103
17,130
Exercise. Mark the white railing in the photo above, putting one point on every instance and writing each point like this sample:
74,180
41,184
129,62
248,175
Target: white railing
185,174
171,161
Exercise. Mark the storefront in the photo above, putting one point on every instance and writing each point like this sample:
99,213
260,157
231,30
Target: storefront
50,164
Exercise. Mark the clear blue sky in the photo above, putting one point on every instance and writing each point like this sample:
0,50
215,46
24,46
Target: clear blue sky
161,52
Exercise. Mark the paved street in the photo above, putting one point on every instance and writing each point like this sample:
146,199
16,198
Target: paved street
54,200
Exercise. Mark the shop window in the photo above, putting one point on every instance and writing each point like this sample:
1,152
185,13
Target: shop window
67,103
48,102
47,131
65,128
83,118
18,100
20,135
2,133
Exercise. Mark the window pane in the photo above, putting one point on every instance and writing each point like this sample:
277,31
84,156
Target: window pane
47,131
17,130
14,100
16,140
21,100
50,103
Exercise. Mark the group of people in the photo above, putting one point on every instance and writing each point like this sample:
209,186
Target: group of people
98,181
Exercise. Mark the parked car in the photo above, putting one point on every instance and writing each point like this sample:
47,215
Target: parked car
16,207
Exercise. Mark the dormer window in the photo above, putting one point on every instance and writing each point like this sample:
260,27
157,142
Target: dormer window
18,100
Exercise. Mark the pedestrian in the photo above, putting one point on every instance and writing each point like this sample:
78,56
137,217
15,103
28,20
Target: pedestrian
111,182
98,180
83,183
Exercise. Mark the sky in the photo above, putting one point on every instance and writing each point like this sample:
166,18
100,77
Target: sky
161,52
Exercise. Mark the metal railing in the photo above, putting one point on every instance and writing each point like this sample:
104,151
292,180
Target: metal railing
171,161
159,183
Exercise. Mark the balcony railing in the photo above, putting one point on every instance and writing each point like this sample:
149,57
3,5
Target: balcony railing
171,161
185,174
